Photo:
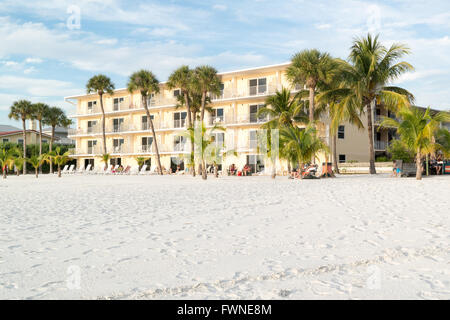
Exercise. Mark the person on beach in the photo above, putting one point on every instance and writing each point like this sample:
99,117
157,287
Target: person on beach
246,170
232,169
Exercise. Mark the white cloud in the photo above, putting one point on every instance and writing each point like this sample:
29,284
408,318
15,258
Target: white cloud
29,70
220,7
107,41
33,60
37,87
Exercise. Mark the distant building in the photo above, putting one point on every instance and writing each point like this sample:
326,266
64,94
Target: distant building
61,133
15,135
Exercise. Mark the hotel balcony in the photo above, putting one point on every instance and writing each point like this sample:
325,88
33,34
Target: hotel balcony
380,145
247,92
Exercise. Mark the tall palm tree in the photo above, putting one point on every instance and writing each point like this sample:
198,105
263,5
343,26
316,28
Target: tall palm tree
311,67
301,145
205,79
146,83
39,111
101,84
417,129
22,110
367,81
19,160
55,117
329,98
182,78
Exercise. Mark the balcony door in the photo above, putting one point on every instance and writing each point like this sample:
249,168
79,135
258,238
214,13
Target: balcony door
257,86
253,114
179,119
216,116
145,124
117,124
256,163
178,143
146,143
91,126
116,103
118,145
91,146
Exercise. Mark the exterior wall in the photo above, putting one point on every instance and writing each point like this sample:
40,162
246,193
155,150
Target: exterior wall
235,100
32,138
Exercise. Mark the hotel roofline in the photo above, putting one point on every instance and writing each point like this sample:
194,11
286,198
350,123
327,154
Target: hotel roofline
246,70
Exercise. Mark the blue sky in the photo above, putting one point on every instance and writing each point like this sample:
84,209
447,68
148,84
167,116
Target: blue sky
42,59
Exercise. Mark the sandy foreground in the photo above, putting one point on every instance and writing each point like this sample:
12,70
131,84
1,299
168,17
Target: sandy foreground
171,237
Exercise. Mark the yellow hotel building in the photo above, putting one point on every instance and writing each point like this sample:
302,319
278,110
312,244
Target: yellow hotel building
243,92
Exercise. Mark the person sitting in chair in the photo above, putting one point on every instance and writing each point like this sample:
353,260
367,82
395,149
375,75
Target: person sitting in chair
246,170
232,170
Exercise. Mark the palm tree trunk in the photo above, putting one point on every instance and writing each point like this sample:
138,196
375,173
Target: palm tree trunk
36,170
24,125
216,171
311,105
204,173
370,133
190,122
158,160
4,172
202,113
51,146
59,171
335,160
40,143
103,124
289,167
419,165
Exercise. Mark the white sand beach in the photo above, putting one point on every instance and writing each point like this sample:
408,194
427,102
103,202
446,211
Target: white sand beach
173,237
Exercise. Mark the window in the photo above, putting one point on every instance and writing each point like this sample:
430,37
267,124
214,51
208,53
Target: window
176,92
253,114
178,143
341,158
44,141
5,140
179,119
91,146
258,86
216,115
256,163
91,125
218,139
145,123
341,132
151,100
147,144
118,145
118,124
20,141
91,106
253,142
89,162
116,104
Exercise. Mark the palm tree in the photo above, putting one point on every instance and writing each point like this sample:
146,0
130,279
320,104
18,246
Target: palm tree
39,112
283,110
141,161
59,158
182,78
203,141
101,84
36,161
105,159
55,117
19,160
373,67
301,145
6,160
338,113
146,83
311,67
443,141
22,110
417,129
205,79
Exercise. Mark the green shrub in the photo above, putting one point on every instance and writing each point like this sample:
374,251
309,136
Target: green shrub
399,151
382,159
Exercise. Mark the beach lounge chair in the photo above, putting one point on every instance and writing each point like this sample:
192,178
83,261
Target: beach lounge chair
64,170
143,169
97,170
108,170
134,170
80,169
88,169
70,170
